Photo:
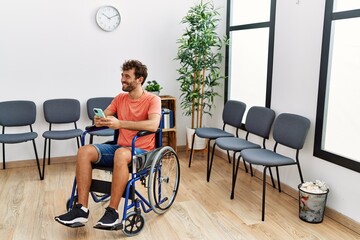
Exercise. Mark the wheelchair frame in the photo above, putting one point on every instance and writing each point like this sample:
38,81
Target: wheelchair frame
146,165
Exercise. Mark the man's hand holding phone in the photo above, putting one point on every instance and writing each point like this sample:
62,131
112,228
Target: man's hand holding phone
99,115
101,120
99,112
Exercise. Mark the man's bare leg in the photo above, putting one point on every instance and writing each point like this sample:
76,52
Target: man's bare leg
120,175
120,178
79,214
85,157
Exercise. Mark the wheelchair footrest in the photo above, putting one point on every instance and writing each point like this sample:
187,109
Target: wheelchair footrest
76,225
116,227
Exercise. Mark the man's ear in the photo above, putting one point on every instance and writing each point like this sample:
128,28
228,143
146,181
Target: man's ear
141,80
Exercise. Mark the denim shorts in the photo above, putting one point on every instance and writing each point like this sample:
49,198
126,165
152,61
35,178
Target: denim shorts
107,152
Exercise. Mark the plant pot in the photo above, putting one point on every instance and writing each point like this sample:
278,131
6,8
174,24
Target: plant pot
199,143
157,93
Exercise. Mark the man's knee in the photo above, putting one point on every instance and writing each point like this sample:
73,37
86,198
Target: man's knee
87,153
122,156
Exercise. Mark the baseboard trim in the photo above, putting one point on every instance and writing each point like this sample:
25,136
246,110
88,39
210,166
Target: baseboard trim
32,162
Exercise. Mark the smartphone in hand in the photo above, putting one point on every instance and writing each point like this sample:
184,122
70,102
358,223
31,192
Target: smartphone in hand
99,112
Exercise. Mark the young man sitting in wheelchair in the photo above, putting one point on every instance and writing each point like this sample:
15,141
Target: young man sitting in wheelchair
136,110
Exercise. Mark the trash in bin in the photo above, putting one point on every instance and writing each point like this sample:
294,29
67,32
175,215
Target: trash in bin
312,201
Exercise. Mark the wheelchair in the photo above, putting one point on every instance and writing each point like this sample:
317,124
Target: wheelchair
158,172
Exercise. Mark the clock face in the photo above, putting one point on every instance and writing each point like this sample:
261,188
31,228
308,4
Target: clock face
108,18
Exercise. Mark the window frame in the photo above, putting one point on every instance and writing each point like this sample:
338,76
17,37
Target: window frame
271,25
329,17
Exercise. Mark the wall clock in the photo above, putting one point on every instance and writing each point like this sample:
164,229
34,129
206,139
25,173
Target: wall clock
108,18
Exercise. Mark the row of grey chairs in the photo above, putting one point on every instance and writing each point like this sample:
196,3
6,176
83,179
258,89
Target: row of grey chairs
22,113
289,130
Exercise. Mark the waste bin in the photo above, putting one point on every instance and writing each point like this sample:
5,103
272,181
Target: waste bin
312,204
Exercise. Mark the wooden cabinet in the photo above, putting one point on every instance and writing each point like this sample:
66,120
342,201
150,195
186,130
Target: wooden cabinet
169,133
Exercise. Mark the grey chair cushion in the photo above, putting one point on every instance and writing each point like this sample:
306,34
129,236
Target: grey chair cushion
62,134
103,132
235,144
212,133
17,137
265,157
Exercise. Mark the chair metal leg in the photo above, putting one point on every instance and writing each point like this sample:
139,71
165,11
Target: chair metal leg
245,166
264,193
298,165
234,174
78,141
212,159
49,151
209,161
251,170
44,158
278,178
192,149
272,178
300,173
228,154
37,160
3,151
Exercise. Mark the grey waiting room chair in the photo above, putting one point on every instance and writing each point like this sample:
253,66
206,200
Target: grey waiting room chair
61,112
232,116
258,122
18,114
103,103
290,130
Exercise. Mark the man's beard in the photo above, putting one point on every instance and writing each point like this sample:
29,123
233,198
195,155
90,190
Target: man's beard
128,88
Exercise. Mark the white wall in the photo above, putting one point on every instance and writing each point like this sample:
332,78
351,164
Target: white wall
54,49
51,49
298,39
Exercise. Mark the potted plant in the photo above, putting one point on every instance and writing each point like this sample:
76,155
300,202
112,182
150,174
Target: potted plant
200,57
153,86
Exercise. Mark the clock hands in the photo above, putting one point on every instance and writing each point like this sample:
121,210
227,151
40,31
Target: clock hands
113,16
109,18
106,16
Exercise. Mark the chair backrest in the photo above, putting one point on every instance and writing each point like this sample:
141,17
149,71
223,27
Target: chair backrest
97,102
17,113
259,121
61,110
291,130
233,113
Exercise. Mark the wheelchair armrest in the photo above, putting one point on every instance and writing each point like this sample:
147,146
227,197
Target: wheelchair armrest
89,129
145,132
93,128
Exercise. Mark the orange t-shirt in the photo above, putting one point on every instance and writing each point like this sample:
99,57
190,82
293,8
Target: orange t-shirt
139,109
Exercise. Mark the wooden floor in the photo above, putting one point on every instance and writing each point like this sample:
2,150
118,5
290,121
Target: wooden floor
202,210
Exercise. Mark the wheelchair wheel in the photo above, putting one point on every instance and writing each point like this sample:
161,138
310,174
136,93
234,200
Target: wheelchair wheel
164,179
134,223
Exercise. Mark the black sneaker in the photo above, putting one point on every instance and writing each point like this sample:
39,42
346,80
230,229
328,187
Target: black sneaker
75,217
109,220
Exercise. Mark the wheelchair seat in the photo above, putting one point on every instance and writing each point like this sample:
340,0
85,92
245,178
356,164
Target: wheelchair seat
158,171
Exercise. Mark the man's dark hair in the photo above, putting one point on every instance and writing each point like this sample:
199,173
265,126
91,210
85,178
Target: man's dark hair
140,69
